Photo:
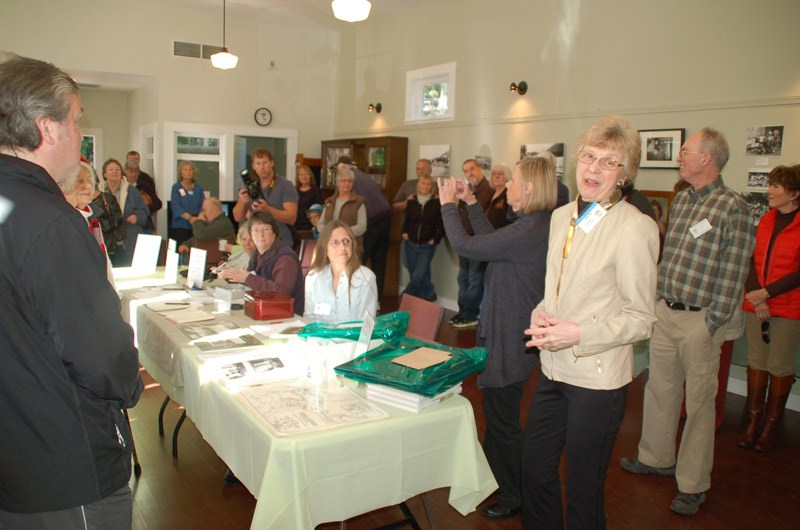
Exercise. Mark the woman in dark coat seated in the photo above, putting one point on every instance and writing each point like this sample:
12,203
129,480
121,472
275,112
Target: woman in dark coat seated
274,266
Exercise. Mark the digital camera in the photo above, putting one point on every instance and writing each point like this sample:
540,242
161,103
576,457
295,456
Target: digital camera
252,183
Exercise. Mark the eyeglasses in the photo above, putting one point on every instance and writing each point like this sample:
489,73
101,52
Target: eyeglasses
336,242
684,152
608,163
261,231
765,331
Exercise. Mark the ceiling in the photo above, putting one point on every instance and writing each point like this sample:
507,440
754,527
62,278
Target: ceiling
303,13
297,12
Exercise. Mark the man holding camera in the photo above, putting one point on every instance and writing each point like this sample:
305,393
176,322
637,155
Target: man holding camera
276,195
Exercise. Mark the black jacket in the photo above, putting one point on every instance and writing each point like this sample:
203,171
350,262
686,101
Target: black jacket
67,361
423,223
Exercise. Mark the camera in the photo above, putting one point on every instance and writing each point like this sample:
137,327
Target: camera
252,183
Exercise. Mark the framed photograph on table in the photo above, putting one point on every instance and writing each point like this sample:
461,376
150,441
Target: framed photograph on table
660,147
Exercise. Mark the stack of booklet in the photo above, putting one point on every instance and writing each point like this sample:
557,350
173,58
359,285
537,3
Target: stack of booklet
407,400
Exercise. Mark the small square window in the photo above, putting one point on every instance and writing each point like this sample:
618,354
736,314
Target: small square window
431,93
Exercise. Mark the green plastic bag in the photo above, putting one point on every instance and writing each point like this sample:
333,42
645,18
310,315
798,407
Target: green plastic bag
376,366
386,327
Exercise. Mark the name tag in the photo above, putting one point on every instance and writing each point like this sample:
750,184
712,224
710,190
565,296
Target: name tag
590,217
700,228
322,309
182,192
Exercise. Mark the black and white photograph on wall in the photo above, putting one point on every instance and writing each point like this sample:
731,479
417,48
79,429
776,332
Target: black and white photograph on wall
556,148
660,147
757,202
484,161
766,140
439,155
758,179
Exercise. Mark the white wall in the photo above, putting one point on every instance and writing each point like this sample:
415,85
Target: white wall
683,64
93,35
107,110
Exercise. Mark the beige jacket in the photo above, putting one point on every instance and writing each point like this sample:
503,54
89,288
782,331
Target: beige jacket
608,287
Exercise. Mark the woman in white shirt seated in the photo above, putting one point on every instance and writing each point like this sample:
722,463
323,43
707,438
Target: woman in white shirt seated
338,288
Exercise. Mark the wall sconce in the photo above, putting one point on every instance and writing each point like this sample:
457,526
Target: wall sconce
520,88
377,107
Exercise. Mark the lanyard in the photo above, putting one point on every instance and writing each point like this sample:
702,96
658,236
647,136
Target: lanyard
574,221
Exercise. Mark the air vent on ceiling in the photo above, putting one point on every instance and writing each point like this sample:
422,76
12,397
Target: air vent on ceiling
194,50
209,50
186,49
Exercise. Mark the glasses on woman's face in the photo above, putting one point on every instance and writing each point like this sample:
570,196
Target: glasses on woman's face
344,241
260,230
608,163
765,331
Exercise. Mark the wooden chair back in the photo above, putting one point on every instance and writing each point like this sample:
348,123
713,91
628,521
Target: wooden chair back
425,317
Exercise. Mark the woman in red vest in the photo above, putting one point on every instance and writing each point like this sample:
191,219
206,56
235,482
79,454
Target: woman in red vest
772,309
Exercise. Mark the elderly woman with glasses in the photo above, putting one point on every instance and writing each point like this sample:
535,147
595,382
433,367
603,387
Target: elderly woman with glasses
599,299
338,288
274,266
772,309
345,205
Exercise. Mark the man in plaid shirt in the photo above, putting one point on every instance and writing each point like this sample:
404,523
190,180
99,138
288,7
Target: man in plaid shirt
701,276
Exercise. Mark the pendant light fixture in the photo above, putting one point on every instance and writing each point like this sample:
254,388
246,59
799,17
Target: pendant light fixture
222,59
351,10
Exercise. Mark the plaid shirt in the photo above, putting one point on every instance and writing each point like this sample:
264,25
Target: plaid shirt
707,271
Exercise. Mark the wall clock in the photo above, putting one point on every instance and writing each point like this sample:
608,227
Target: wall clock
263,116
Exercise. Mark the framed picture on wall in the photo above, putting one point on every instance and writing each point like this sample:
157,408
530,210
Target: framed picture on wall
660,147
661,201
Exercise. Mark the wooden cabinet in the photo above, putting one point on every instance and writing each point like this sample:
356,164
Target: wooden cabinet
385,159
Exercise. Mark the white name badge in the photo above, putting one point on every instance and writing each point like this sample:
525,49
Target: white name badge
700,228
182,192
593,214
322,309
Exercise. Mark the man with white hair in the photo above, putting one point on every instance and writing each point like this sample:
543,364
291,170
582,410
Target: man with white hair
69,364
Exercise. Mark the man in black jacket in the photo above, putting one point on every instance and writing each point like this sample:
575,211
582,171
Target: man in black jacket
69,366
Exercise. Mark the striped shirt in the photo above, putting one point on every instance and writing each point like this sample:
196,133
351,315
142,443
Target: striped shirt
708,270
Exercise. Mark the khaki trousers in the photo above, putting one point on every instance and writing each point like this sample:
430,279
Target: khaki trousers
681,350
777,357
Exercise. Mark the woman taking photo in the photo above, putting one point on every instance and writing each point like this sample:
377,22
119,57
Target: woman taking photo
422,232
599,299
134,211
514,284
772,309
308,194
345,205
338,288
186,201
274,266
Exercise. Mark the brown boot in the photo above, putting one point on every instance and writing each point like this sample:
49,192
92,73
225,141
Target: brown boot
756,393
779,388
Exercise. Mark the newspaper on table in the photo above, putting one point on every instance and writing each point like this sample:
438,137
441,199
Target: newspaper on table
296,408
265,364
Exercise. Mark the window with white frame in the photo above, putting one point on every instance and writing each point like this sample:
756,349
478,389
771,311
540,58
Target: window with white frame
431,93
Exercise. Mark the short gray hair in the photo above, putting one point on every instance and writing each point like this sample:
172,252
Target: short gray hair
714,143
30,90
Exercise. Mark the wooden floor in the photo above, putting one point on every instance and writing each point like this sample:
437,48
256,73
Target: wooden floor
749,489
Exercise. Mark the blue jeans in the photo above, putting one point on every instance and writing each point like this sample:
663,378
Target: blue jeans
418,262
470,287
